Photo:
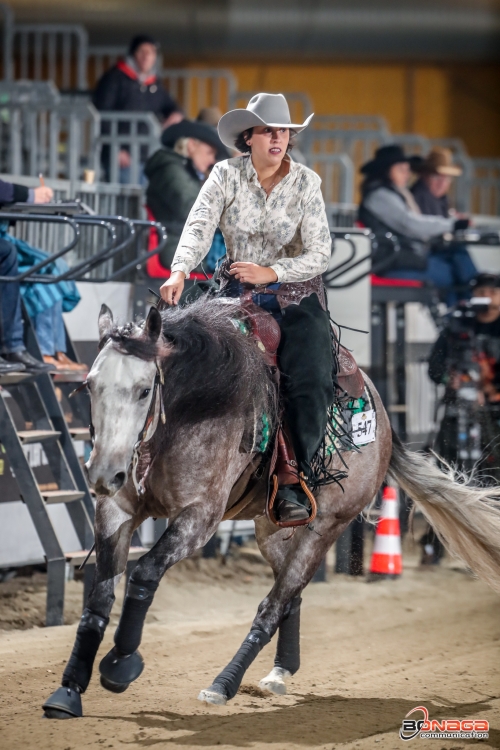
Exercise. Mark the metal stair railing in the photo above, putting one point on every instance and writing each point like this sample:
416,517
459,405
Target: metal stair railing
36,396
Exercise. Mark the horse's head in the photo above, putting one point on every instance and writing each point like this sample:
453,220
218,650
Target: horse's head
122,386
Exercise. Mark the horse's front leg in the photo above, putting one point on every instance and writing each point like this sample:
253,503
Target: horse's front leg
190,530
113,532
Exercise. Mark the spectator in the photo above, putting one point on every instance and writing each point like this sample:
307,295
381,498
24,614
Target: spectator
404,236
209,116
14,357
132,85
436,173
176,173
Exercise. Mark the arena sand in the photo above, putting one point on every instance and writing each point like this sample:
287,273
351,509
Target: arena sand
370,653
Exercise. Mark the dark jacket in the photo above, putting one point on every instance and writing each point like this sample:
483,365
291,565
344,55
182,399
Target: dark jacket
10,193
172,190
119,89
427,202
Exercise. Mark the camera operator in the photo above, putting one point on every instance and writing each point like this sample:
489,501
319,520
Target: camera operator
466,358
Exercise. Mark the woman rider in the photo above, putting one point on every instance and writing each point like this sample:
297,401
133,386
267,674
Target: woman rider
272,215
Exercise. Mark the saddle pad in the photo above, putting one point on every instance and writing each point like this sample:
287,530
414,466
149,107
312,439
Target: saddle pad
358,419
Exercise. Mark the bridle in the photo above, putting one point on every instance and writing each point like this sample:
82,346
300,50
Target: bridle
143,436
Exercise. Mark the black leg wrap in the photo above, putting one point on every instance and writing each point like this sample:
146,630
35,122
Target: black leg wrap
288,649
137,602
229,680
118,671
88,639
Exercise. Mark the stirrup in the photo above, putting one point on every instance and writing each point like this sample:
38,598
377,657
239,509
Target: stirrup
301,522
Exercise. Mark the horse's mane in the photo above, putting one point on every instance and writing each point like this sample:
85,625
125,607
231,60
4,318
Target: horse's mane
212,370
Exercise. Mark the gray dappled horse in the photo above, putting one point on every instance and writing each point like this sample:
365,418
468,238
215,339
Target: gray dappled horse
171,401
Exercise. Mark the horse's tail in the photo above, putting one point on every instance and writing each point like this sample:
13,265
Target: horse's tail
466,518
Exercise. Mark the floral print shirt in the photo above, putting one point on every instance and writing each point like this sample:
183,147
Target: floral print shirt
287,231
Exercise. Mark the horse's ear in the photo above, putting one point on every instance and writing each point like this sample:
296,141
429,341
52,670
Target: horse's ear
105,321
153,324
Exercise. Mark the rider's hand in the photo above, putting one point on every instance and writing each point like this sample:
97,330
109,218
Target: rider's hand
43,194
171,290
251,273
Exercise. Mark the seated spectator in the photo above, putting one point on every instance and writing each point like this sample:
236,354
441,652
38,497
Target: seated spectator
132,85
14,357
209,116
176,173
404,235
436,173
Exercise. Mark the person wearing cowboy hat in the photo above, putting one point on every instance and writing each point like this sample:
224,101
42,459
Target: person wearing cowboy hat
436,173
405,236
176,173
273,218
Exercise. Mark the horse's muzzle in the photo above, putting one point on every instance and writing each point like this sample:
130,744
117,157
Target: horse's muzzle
102,484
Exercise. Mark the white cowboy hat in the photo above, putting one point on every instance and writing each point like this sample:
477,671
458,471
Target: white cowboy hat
262,109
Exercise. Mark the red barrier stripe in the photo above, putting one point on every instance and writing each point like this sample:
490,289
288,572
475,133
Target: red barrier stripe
386,564
382,281
388,526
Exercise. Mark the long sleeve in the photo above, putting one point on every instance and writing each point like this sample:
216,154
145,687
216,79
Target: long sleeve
11,193
316,240
105,96
203,220
389,208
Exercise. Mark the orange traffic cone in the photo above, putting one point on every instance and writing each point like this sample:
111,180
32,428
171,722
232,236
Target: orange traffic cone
386,558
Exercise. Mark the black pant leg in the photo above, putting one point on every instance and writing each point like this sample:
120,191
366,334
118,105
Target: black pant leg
306,362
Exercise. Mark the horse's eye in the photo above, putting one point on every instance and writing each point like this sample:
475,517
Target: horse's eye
145,393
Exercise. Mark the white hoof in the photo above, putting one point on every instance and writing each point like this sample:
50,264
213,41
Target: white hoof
210,696
275,681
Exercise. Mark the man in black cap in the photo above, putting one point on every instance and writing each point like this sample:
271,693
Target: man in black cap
132,85
176,173
403,233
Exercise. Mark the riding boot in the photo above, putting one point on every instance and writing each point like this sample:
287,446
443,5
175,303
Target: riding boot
307,365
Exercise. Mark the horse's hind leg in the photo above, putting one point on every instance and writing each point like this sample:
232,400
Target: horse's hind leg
287,659
304,553
113,532
273,546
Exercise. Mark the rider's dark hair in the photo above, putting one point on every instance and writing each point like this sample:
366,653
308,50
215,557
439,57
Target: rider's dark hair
242,146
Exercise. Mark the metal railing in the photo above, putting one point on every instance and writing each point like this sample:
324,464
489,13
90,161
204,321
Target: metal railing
102,200
138,133
337,176
44,51
42,133
194,89
485,187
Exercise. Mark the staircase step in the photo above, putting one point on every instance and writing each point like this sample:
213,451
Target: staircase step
13,378
37,436
76,558
80,433
75,376
61,496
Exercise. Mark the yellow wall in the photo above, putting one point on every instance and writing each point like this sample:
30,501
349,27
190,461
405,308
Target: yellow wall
436,101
